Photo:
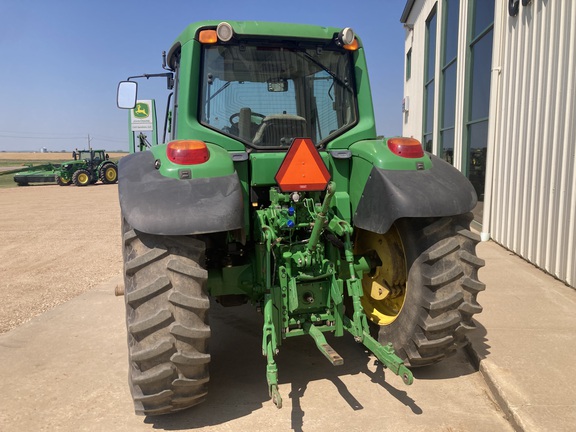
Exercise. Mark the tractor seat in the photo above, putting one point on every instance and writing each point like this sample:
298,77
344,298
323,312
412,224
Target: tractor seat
279,130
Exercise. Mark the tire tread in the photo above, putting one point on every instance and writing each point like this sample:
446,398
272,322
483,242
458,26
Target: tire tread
166,317
444,272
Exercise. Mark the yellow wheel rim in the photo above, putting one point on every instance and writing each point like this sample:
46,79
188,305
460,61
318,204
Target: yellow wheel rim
110,174
385,286
83,178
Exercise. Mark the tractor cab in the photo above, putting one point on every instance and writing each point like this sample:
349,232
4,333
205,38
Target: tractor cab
94,157
265,95
97,157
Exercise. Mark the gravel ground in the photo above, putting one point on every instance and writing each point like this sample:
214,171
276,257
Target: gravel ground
57,242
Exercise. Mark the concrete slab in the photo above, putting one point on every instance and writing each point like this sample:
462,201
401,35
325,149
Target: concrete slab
66,370
526,341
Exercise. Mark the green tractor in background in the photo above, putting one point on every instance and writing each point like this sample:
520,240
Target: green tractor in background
273,189
87,167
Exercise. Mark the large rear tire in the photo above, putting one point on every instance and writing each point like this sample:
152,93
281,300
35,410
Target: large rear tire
166,319
423,296
108,174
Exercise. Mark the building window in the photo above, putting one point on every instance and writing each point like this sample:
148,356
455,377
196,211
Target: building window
478,93
408,64
429,81
449,56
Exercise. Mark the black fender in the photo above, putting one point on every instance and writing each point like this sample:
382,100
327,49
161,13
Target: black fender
155,204
106,162
390,195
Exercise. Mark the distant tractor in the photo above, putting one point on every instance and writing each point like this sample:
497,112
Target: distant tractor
88,167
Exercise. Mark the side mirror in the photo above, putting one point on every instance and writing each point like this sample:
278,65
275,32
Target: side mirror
126,95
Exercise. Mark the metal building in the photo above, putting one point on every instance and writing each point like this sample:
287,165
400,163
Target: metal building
490,87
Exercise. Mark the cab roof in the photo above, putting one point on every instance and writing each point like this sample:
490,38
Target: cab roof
260,28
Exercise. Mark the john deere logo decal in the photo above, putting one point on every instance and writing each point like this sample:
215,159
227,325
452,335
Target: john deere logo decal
142,110
141,117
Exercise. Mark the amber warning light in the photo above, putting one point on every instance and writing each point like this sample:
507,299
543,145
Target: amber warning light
303,168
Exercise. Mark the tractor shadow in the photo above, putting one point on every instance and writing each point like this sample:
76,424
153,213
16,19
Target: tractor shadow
238,385
478,348
35,185
303,364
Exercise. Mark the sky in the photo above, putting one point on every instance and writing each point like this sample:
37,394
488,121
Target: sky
61,60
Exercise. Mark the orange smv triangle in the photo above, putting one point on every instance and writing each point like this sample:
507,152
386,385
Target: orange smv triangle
303,168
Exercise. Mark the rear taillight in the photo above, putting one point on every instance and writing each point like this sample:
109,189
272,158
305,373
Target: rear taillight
187,152
406,147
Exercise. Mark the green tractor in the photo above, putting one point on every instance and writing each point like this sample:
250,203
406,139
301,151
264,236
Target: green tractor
273,189
87,167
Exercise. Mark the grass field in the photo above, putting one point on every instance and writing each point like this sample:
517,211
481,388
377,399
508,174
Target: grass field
10,161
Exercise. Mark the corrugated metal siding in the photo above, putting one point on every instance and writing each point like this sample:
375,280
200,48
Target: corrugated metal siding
533,206
415,39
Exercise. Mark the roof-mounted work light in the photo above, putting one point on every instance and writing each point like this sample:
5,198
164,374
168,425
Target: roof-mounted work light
346,36
347,39
225,31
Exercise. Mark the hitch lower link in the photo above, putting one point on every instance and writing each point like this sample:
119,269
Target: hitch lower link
357,325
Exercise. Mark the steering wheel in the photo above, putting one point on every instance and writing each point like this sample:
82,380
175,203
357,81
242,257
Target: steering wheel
234,118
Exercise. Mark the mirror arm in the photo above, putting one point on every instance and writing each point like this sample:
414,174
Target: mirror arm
169,78
164,64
